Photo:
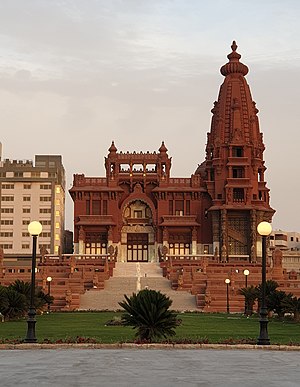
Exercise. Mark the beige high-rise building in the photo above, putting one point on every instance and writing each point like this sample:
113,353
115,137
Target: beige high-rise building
32,191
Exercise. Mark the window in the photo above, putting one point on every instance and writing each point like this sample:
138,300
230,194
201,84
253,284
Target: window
57,225
26,210
26,186
7,210
35,174
25,234
18,174
45,234
25,246
187,204
6,234
206,249
57,190
45,186
7,186
44,246
57,213
45,198
104,207
57,202
137,214
45,222
7,198
238,172
292,239
6,247
179,204
170,207
57,237
25,222
96,207
237,151
45,210
87,207
26,198
7,222
238,194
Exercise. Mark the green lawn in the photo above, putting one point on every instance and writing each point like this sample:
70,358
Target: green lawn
195,327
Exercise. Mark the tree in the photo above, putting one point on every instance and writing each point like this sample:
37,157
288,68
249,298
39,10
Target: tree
148,312
251,294
40,298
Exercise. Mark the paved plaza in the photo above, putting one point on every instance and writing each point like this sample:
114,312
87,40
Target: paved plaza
142,367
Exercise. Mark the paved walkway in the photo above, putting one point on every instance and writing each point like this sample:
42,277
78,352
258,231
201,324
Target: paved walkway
140,367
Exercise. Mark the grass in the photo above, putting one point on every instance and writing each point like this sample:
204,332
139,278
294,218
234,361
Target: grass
195,327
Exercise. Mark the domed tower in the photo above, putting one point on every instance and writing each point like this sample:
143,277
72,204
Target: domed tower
235,167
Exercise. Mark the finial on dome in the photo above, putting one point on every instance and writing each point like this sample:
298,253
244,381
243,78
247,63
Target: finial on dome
112,148
234,46
163,148
234,66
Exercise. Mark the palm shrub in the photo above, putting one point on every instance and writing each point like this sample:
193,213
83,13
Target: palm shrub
250,293
148,312
292,305
12,303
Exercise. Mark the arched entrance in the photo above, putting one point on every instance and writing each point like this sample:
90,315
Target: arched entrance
137,235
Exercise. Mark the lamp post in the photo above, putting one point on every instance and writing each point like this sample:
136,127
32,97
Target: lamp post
246,273
264,229
227,282
34,229
49,279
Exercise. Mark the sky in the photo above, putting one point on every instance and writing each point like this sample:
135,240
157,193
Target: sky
77,74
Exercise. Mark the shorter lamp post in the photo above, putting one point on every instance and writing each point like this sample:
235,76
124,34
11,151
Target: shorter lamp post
246,273
264,229
227,282
34,229
49,279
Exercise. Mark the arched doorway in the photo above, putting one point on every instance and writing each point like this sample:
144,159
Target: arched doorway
137,235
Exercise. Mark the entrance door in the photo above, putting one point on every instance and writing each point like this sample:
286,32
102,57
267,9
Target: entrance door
137,247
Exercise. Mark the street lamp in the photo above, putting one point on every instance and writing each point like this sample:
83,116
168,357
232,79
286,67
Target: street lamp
34,229
264,229
227,282
49,279
246,273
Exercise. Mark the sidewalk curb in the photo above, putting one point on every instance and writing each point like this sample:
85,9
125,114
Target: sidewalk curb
150,346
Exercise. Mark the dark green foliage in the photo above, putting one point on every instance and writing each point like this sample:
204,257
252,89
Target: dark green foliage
15,299
148,312
292,305
250,293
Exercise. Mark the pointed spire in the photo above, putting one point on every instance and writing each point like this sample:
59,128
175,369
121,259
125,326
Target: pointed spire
234,65
112,148
163,148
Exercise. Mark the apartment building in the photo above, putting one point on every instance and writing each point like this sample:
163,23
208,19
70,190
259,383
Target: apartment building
32,191
285,240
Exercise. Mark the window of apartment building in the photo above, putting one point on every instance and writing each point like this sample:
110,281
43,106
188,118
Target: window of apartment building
45,222
6,246
26,198
292,239
18,174
45,210
45,198
25,222
57,202
7,222
45,234
52,174
57,237
45,186
35,174
8,186
46,246
7,198
57,190
26,210
25,246
25,234
7,210
27,186
57,225
57,213
6,234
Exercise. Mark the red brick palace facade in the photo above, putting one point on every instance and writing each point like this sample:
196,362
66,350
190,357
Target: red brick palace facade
139,209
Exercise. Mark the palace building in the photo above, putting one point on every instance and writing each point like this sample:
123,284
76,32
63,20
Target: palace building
139,209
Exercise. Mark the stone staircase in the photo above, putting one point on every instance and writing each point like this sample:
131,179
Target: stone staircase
130,278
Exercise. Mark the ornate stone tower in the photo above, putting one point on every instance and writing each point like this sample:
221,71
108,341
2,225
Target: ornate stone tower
235,167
